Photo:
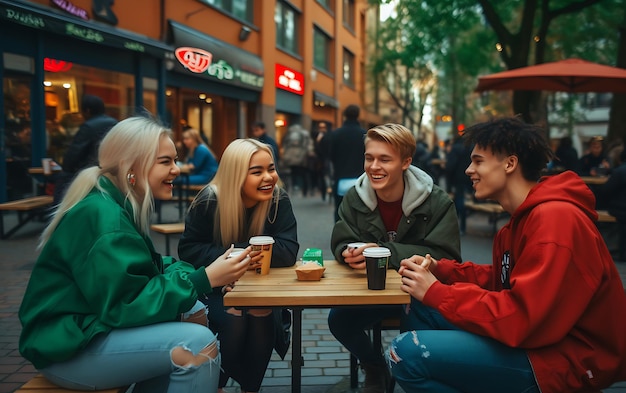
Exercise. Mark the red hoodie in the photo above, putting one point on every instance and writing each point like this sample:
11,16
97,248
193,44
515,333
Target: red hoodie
552,289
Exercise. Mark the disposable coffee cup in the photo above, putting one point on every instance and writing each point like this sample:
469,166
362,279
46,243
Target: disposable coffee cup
376,262
46,163
265,245
356,245
235,252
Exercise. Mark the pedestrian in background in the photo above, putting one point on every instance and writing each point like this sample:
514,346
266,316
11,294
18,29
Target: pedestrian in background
244,199
199,160
393,205
83,151
566,156
102,309
321,169
548,315
297,153
346,150
595,162
457,161
259,133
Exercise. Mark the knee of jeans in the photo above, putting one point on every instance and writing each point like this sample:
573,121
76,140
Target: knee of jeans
407,346
260,313
234,311
183,357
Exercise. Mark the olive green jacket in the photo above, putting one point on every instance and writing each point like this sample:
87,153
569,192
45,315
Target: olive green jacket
428,225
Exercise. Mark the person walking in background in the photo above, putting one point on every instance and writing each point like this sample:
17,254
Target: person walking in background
457,160
548,315
297,153
393,205
614,191
259,133
244,199
102,309
321,170
200,160
346,150
83,151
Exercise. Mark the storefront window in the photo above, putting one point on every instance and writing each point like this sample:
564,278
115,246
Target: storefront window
63,91
17,134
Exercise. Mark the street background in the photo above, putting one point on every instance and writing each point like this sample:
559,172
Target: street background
326,362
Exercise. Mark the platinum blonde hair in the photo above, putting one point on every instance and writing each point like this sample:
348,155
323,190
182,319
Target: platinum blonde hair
131,145
226,187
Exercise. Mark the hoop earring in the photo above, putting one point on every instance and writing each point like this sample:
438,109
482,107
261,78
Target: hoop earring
130,178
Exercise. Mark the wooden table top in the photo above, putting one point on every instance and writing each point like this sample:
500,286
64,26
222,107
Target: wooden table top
340,286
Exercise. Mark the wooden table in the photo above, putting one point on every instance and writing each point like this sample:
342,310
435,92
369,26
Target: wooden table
341,286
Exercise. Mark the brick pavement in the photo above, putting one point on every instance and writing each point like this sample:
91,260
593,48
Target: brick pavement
326,367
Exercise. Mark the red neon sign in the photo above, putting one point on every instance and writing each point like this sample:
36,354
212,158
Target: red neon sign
288,79
194,59
53,65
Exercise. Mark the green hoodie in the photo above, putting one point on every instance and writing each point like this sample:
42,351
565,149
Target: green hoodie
96,273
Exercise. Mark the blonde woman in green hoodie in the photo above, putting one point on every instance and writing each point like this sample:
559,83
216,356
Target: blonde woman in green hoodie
103,308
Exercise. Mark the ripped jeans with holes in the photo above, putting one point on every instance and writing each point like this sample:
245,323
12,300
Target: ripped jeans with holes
166,357
436,356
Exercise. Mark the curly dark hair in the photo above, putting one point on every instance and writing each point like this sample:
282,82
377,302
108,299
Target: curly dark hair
511,136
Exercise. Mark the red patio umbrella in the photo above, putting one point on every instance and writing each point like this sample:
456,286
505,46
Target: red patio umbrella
571,75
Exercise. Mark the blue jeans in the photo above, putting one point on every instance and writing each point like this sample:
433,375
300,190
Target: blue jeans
141,355
349,325
438,357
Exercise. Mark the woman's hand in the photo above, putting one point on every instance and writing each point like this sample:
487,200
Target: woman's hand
354,256
416,275
225,270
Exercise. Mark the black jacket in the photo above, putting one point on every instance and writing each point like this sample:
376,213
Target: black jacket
347,150
83,151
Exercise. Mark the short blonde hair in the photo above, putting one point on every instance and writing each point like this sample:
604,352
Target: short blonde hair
396,135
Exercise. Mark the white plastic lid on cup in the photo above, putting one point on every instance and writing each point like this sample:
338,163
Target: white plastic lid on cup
261,240
376,252
235,252
356,245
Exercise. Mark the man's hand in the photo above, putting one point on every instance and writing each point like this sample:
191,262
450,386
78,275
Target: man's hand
354,256
416,275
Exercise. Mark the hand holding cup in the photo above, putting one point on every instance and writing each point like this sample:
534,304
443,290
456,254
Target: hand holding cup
353,254
225,269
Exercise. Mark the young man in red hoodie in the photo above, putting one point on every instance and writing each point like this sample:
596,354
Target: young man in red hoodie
549,314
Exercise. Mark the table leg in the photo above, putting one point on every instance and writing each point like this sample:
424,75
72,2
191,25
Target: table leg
297,361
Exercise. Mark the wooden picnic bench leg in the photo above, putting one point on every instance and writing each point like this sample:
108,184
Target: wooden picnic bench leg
20,223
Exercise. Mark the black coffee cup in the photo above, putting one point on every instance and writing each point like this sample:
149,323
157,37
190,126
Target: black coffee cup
376,262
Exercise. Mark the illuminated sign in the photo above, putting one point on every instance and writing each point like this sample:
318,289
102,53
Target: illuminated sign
288,79
194,59
72,9
53,65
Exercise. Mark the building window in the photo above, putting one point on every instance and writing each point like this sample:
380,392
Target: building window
321,49
286,20
348,68
348,14
328,4
240,9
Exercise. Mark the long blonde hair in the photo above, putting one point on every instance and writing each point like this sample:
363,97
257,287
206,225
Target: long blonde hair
131,143
226,188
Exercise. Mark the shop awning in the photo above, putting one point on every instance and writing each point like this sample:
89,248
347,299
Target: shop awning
327,100
207,57
50,20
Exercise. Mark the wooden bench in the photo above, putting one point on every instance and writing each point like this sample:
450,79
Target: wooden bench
604,216
167,230
377,342
494,211
32,206
39,383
